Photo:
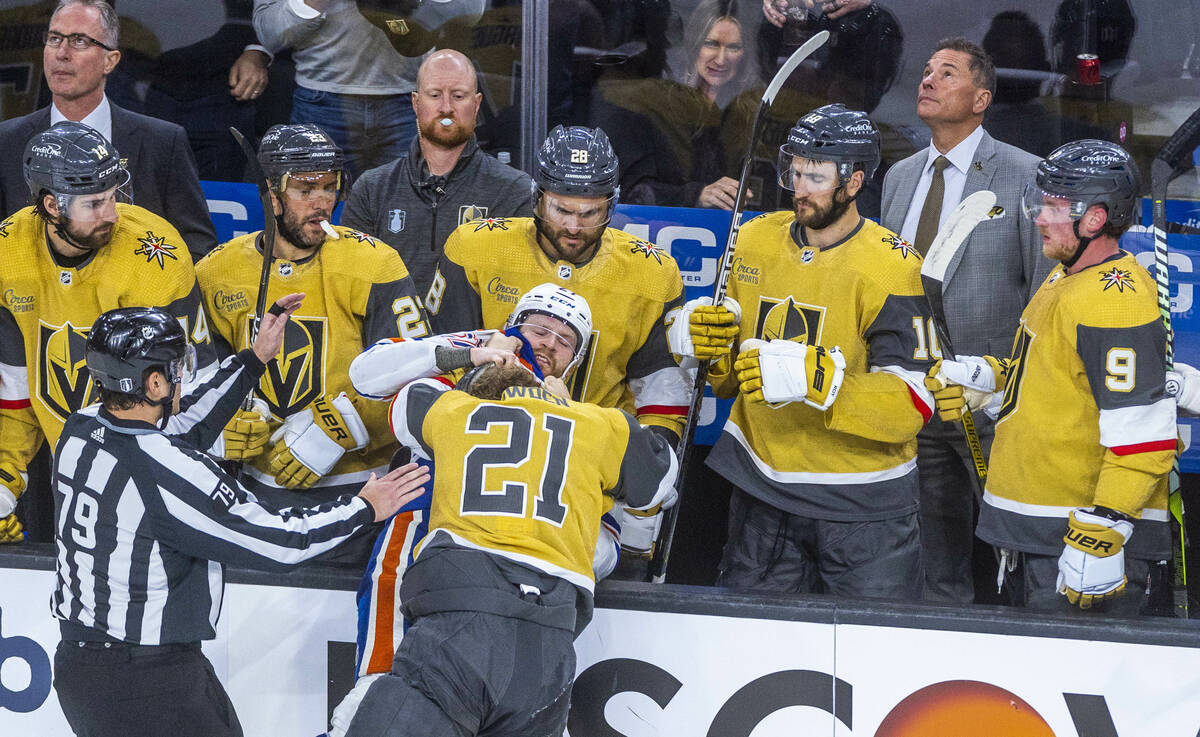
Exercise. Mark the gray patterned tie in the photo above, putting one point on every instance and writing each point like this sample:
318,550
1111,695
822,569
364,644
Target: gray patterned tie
931,211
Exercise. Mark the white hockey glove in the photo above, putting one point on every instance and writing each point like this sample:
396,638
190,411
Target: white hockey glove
1092,565
786,371
309,443
246,435
704,332
608,549
639,528
967,382
1184,384
12,485
344,712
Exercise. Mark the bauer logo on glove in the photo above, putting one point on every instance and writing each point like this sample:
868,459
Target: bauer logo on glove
312,441
783,371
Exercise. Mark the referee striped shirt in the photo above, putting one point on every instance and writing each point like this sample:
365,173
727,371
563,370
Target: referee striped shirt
144,522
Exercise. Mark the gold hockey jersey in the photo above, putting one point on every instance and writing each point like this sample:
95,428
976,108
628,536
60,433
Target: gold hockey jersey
856,460
527,477
630,284
48,310
1086,418
357,290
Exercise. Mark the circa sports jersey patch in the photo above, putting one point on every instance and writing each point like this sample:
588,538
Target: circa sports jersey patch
647,249
492,224
1119,278
901,245
155,247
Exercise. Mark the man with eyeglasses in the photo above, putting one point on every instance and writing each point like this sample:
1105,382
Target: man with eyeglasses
80,250
80,52
325,440
488,264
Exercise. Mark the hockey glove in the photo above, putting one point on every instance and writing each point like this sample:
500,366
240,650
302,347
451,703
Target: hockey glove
247,433
1184,384
12,485
639,528
1092,565
310,442
969,381
608,547
786,371
702,331
10,530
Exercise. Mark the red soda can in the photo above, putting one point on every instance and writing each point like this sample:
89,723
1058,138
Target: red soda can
1087,66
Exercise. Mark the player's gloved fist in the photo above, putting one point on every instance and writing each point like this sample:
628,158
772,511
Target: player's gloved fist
704,331
968,381
247,433
1092,565
639,528
786,371
309,443
1184,384
10,530
12,485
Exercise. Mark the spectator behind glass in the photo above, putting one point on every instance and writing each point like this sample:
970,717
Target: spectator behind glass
669,139
350,80
155,152
1016,116
209,87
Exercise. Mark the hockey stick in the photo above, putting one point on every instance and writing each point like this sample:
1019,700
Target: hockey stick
657,571
969,213
268,244
1169,163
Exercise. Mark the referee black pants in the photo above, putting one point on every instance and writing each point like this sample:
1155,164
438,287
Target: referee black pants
116,690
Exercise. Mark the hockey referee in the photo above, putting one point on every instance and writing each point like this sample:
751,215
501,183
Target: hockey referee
145,521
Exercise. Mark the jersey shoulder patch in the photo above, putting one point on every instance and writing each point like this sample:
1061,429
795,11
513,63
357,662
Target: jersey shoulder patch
357,236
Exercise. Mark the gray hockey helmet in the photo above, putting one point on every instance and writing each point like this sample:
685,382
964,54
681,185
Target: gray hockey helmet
71,159
1085,173
577,161
831,133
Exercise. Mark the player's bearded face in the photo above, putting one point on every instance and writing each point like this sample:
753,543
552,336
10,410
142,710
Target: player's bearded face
308,199
569,228
818,201
89,220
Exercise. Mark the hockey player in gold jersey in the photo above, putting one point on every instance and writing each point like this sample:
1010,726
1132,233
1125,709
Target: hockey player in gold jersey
833,344
357,291
1086,432
488,264
79,251
502,583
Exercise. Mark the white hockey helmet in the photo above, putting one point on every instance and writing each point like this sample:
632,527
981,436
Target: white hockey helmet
563,304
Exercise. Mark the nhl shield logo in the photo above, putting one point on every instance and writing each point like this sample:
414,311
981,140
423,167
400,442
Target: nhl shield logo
396,219
64,384
565,271
285,268
65,278
807,255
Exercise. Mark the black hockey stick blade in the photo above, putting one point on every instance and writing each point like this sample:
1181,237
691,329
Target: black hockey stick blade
1176,151
268,243
657,570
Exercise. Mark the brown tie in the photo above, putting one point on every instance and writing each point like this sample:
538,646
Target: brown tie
931,211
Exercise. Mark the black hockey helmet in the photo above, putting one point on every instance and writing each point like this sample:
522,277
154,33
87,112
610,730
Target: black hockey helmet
831,133
71,159
125,343
577,161
289,148
1085,173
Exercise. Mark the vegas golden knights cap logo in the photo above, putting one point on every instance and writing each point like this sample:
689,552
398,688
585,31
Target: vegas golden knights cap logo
789,320
297,378
64,384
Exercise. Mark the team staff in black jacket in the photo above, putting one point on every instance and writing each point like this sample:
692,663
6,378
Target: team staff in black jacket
145,522
416,201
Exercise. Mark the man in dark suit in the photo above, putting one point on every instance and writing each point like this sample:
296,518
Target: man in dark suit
80,52
986,286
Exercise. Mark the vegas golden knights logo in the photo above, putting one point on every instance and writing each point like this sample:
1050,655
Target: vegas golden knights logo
64,384
789,320
1016,371
297,378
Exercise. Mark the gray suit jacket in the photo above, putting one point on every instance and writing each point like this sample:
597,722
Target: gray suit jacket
995,273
